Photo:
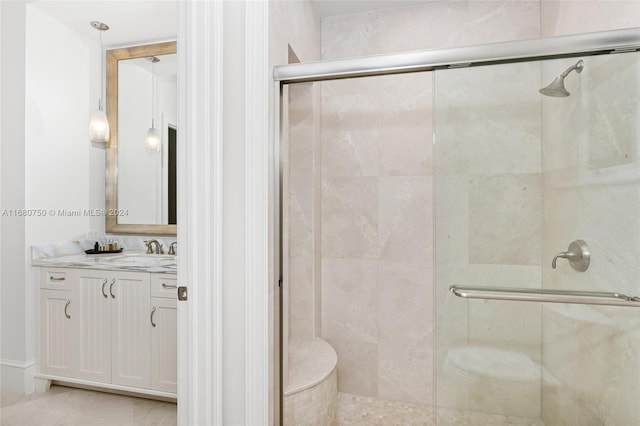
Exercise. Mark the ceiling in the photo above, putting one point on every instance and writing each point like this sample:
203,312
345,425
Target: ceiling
130,22
140,22
326,8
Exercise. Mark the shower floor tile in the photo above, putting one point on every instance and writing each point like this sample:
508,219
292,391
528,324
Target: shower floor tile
451,417
360,410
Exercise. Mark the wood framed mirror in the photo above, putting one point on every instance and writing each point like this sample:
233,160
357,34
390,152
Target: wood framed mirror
141,180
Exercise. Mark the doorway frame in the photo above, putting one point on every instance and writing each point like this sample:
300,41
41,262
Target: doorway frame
211,35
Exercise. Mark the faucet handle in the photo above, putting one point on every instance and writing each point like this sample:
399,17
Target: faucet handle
172,247
148,243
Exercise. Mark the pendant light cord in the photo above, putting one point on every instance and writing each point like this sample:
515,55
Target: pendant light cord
153,92
101,72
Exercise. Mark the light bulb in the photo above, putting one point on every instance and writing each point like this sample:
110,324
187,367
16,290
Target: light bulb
152,140
99,127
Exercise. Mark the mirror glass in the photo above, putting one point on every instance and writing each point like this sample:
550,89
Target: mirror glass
141,178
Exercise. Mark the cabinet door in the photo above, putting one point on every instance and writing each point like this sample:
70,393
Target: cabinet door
131,329
164,344
94,325
58,332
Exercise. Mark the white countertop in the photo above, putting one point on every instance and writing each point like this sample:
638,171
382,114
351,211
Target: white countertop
71,254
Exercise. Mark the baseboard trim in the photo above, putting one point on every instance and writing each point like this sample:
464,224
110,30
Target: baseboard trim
108,387
17,364
17,377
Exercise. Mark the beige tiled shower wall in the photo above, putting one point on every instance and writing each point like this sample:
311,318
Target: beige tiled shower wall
302,211
377,192
377,233
592,192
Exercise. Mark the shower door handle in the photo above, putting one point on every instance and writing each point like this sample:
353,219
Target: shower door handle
545,295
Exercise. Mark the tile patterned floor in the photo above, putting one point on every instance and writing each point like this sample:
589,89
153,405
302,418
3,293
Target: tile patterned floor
359,410
78,407
450,417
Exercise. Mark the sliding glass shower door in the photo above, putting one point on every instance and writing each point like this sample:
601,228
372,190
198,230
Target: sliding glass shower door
519,177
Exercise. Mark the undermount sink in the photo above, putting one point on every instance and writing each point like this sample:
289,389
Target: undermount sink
144,260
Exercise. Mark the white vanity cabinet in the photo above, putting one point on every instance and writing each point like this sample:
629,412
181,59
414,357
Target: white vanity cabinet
109,336
164,333
58,314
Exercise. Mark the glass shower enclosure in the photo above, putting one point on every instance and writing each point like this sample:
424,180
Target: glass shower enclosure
459,245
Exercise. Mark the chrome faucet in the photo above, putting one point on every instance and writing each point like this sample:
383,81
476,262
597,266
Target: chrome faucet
150,243
172,247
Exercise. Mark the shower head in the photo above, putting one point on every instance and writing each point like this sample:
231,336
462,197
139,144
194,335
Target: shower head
556,88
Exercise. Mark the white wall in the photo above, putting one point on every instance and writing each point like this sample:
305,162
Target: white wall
50,86
233,215
15,350
63,170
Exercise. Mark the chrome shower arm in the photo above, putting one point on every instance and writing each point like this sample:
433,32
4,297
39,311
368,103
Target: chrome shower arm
579,66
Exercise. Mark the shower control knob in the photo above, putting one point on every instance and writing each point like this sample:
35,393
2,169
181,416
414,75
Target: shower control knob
577,254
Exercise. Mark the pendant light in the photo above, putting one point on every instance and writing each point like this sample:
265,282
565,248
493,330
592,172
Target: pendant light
98,124
152,140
